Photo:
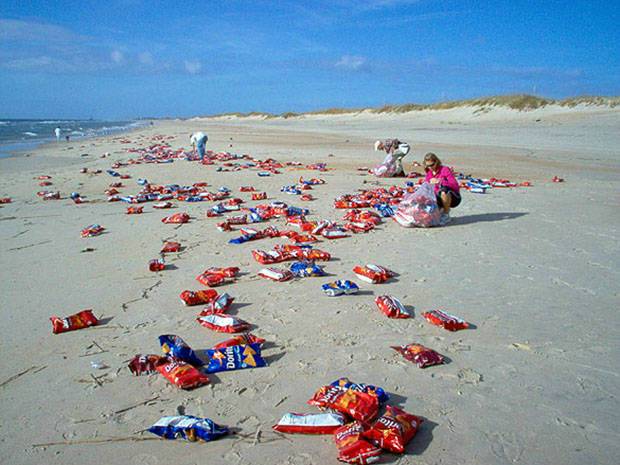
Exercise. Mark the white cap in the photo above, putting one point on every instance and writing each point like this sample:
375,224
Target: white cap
377,144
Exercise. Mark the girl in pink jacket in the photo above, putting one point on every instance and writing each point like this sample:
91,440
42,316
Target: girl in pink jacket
446,185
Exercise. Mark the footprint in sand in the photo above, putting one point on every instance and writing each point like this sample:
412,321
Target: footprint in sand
469,376
506,447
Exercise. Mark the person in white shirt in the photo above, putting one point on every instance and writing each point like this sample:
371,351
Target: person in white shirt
393,164
199,141
57,132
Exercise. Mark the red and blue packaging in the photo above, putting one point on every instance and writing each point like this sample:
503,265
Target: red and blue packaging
174,346
236,357
189,428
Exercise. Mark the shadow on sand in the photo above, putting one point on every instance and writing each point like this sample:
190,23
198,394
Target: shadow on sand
485,217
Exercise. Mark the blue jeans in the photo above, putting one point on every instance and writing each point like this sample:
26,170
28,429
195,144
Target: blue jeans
200,147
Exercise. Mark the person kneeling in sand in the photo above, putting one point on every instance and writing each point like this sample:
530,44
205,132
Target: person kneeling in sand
199,142
446,185
392,165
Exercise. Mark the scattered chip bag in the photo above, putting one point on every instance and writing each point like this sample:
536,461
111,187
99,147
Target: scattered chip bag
157,264
340,287
393,430
204,296
134,210
92,230
189,428
220,305
445,320
176,218
358,405
222,324
275,274
259,196
171,247
420,355
80,320
373,274
367,388
309,423
306,269
236,357
352,448
144,364
181,374
240,339
174,346
391,307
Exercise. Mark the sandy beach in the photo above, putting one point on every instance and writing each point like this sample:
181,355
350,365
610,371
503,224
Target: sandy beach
536,379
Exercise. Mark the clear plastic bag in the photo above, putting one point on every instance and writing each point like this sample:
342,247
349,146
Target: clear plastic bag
387,169
419,209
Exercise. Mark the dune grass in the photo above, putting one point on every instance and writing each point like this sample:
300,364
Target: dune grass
519,102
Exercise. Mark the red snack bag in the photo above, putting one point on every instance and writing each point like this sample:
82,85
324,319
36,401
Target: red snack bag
391,307
181,374
221,323
240,340
210,280
80,320
157,265
134,210
259,196
420,355
177,218
352,448
229,272
6,200
373,274
306,197
393,430
246,189
268,257
445,320
144,364
358,405
204,296
170,247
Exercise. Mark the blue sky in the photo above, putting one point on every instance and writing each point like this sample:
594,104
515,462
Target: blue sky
131,58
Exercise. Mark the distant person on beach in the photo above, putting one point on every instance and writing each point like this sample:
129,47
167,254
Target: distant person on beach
57,132
393,164
199,141
67,137
446,185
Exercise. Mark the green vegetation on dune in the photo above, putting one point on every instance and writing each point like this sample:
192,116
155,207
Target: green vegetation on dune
520,102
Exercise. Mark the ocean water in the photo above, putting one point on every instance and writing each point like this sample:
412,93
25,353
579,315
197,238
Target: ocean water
22,134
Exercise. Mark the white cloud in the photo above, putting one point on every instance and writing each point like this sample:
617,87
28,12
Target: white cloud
31,31
32,63
117,56
145,58
352,62
193,67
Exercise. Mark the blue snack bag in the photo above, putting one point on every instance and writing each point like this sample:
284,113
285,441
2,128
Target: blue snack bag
189,428
306,269
367,388
340,287
176,347
234,358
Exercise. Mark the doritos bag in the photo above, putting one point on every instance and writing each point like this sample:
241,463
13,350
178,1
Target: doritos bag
358,405
234,358
181,374
420,355
80,320
393,430
240,339
352,448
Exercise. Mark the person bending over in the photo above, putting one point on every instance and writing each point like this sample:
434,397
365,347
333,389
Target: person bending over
396,151
199,142
445,184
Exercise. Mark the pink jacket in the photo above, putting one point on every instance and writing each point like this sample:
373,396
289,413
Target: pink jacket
446,178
